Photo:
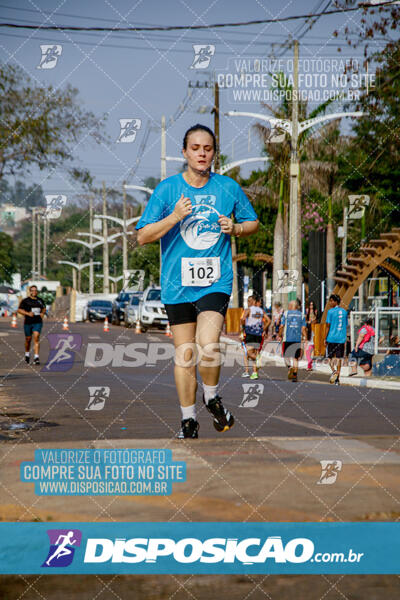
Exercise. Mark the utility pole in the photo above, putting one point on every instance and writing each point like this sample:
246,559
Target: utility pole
45,221
39,258
33,242
106,282
124,236
91,273
163,174
295,261
163,149
344,241
217,158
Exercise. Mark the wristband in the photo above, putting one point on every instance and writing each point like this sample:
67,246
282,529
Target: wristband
241,230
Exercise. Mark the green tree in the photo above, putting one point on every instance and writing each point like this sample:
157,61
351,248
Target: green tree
371,164
40,126
7,264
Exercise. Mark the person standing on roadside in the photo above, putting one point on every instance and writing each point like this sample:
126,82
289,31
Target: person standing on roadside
336,334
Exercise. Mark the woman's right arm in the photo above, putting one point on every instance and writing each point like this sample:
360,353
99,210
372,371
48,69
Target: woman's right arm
154,231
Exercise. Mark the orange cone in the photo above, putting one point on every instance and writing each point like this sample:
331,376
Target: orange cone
65,324
14,320
168,330
138,330
106,326
5,313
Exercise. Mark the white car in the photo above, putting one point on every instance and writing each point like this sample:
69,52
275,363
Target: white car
152,311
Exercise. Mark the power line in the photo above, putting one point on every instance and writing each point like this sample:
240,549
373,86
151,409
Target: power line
196,27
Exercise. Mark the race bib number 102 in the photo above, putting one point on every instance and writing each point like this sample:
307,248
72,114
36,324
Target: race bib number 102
200,272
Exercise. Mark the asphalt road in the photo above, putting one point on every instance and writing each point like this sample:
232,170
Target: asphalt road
142,401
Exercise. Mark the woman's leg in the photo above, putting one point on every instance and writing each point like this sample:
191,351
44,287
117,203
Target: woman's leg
185,362
209,327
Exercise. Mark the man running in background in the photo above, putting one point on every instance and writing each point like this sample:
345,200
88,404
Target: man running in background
336,332
255,323
292,331
33,309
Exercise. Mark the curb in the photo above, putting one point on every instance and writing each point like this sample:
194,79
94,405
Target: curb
368,382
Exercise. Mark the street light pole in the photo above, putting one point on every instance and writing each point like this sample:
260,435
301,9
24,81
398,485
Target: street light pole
295,255
124,237
91,273
106,282
39,258
33,241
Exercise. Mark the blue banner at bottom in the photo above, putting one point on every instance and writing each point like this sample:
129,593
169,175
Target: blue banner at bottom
209,548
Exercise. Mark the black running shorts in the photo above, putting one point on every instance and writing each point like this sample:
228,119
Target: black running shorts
186,312
291,350
335,350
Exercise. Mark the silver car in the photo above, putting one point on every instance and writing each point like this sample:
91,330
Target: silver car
132,310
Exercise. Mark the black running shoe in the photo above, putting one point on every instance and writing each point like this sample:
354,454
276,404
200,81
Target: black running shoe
337,382
222,418
27,359
189,429
36,361
294,377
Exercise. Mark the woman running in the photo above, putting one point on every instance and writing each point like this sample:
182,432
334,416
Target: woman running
191,213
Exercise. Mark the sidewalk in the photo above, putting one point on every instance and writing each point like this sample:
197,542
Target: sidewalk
268,356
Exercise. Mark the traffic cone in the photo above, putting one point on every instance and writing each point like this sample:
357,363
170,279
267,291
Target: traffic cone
168,330
5,313
106,326
65,324
14,320
138,330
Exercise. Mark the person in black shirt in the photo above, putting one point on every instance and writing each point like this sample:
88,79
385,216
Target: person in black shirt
33,309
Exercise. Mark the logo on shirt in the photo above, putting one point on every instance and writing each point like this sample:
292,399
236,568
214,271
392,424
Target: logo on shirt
201,229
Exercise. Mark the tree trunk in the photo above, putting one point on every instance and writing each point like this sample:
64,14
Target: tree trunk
330,258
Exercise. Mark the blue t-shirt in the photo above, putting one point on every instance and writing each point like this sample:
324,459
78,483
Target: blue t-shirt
293,321
197,235
337,317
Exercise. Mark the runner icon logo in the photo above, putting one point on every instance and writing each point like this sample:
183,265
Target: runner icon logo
97,397
330,470
286,281
55,204
128,130
202,55
50,55
62,351
62,547
251,394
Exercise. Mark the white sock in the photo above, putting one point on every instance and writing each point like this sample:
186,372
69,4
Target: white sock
27,353
189,412
210,391
36,356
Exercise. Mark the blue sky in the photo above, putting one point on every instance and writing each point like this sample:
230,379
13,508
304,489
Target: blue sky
145,75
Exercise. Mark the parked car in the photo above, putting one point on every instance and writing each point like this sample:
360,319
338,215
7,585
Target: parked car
98,310
119,304
132,309
152,312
